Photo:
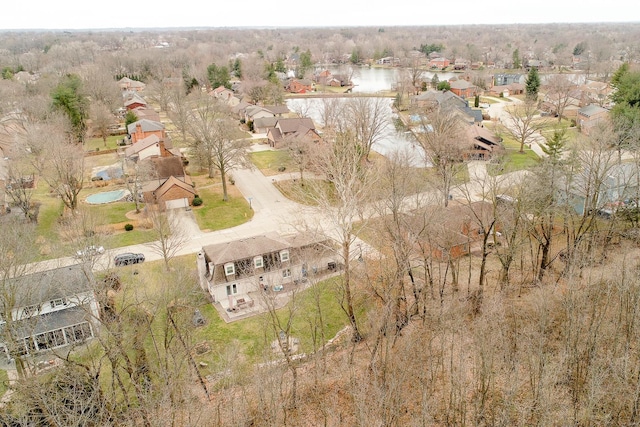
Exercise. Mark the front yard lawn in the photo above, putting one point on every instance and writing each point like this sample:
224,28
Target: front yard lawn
216,214
269,162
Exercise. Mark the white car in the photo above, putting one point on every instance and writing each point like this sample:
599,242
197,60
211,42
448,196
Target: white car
90,251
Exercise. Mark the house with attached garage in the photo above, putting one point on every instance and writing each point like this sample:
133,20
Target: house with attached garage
48,310
236,271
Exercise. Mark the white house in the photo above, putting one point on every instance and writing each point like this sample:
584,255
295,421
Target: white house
49,309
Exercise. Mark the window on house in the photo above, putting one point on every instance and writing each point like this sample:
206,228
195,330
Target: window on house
258,262
58,302
284,256
229,269
232,289
286,272
30,310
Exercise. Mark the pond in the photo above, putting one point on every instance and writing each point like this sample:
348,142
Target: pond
395,139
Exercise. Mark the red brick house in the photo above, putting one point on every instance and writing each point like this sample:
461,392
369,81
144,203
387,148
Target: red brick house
300,86
440,63
590,117
143,128
463,88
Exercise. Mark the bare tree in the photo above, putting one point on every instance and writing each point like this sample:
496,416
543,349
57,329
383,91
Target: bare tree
343,204
16,255
559,90
101,120
368,119
521,122
444,143
58,161
216,138
171,236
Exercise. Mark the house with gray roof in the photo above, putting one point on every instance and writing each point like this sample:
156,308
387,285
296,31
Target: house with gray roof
48,310
590,117
236,270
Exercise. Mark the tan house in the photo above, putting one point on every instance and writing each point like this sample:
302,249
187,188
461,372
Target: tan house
147,147
291,128
236,270
126,83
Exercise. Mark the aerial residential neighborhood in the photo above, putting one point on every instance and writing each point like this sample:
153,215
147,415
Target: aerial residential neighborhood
365,226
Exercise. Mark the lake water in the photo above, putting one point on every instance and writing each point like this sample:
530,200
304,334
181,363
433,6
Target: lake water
394,141
373,79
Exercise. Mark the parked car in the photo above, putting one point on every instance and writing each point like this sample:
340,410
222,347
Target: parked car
90,251
128,258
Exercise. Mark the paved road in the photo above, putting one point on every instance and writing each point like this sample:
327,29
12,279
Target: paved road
272,213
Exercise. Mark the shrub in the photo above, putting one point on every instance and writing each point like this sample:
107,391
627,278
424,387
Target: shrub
197,201
128,227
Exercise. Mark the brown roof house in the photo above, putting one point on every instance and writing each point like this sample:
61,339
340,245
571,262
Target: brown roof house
285,128
484,143
299,86
455,231
463,88
170,187
128,84
147,147
236,272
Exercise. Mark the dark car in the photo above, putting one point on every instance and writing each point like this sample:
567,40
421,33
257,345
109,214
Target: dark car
128,258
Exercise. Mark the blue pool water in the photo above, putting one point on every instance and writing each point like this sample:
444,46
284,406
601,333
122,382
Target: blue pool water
106,197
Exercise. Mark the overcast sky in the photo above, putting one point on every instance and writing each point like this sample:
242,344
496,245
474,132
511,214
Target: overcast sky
100,14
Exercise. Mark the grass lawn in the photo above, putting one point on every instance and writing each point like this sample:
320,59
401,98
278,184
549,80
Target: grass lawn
513,159
269,161
255,334
216,214
92,144
250,337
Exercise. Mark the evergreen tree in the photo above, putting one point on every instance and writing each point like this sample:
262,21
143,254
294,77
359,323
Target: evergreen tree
69,98
516,59
218,76
532,84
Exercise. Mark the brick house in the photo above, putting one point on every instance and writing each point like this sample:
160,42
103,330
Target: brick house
463,88
143,128
457,229
439,63
299,86
147,147
135,101
170,187
590,117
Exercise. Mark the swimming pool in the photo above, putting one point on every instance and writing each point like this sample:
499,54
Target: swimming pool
106,197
